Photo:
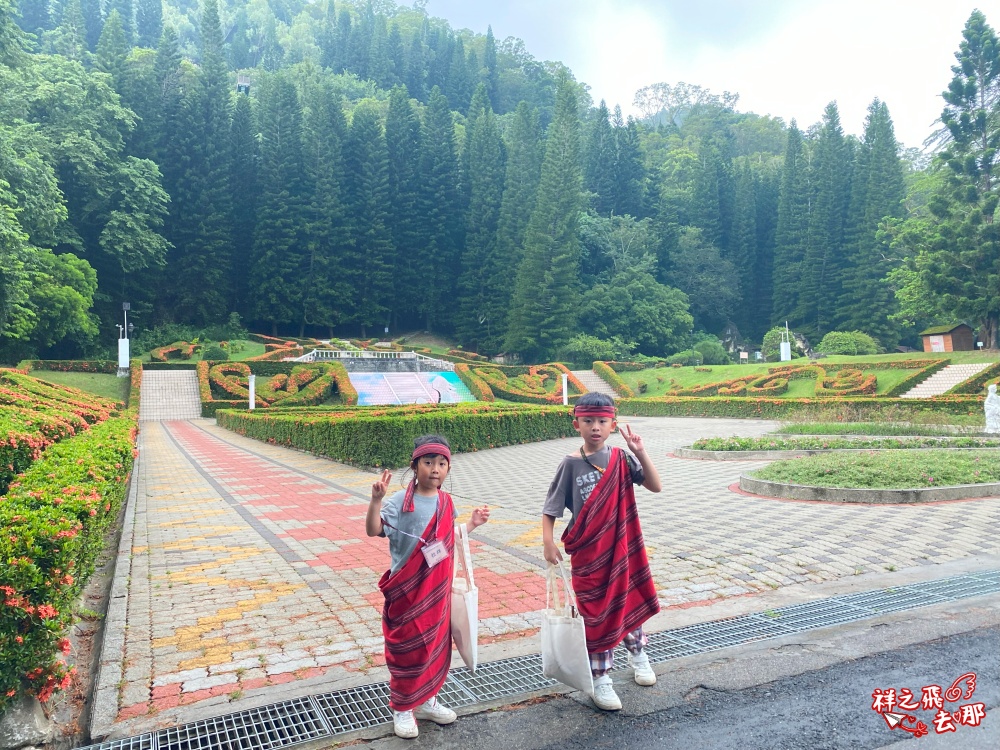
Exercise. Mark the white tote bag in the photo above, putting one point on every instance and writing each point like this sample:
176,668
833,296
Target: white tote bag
464,602
564,638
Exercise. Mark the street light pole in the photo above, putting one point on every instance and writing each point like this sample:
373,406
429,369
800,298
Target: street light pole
123,343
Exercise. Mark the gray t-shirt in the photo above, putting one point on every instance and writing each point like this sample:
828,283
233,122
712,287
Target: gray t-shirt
575,479
401,546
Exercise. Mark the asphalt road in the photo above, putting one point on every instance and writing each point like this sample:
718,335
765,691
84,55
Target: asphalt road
812,691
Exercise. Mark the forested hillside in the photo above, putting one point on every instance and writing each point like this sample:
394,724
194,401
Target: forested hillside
341,167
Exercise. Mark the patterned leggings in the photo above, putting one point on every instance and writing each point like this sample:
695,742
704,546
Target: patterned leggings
602,662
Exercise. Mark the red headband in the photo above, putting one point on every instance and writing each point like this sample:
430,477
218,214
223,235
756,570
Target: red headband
427,449
586,410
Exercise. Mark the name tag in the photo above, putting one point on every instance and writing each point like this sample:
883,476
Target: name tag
434,552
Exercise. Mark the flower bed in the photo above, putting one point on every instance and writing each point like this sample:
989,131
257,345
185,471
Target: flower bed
53,520
383,436
225,385
176,350
476,385
532,384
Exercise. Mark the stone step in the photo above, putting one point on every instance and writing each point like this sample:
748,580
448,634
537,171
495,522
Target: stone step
593,382
944,380
169,395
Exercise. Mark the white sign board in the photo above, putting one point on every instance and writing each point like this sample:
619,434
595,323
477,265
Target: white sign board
786,351
937,343
123,353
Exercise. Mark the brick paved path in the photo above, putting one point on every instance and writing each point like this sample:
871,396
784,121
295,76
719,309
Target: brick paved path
246,565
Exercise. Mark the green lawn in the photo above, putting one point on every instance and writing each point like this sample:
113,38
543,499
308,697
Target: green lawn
108,386
887,470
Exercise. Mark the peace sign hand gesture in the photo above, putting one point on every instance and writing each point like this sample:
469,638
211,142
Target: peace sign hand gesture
632,439
379,488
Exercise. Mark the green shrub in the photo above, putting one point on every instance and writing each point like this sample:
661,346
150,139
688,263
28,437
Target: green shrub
686,358
712,352
771,345
586,348
848,342
215,353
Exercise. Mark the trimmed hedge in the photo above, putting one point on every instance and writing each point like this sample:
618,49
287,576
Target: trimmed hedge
605,371
332,377
476,385
383,436
170,365
53,520
977,384
530,384
103,366
778,408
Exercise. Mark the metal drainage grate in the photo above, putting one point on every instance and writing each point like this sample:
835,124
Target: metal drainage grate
301,720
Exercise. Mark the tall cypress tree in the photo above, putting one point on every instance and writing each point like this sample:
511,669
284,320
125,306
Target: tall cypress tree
112,49
706,212
877,192
380,65
370,271
126,9
397,58
35,17
71,35
824,261
201,223
93,20
149,22
524,164
491,73
743,251
792,228
482,278
630,172
416,71
441,209
279,243
404,145
459,81
341,60
328,237
600,159
243,188
544,309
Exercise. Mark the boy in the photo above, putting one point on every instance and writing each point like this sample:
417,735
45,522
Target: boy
611,578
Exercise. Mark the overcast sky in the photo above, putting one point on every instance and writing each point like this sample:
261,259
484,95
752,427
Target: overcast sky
786,58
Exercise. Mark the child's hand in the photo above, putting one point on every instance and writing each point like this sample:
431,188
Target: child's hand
480,516
551,553
379,487
632,440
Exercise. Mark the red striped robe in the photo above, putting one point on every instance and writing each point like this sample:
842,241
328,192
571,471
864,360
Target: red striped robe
614,587
416,619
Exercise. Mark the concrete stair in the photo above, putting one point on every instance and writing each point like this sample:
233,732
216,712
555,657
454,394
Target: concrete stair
944,380
593,382
169,395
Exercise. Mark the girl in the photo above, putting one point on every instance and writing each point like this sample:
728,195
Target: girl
416,620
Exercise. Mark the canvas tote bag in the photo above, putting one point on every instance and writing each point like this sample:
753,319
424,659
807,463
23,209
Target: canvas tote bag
564,639
464,602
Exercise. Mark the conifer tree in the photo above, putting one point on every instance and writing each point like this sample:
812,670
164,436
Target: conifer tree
415,69
70,38
112,49
792,228
149,22
491,72
482,278
93,21
441,209
326,36
327,235
243,187
341,59
369,270
743,252
35,17
823,261
397,59
706,213
126,10
877,192
524,164
380,65
601,156
459,80
544,309
202,209
404,146
630,172
279,243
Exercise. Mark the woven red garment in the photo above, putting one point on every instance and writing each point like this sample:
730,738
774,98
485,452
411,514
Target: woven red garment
416,619
614,587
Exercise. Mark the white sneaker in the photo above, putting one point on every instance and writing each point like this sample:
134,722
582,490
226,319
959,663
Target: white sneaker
604,694
644,674
404,725
435,711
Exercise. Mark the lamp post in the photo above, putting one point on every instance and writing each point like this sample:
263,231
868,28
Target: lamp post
123,342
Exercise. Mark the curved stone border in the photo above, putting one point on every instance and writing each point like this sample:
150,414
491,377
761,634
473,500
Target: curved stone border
778,455
868,496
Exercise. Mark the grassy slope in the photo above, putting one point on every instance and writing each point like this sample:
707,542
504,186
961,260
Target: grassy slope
109,386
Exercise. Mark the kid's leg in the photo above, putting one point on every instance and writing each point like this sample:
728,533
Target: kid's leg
605,696
636,642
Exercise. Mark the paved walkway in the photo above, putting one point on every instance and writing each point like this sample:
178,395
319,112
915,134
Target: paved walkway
245,576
